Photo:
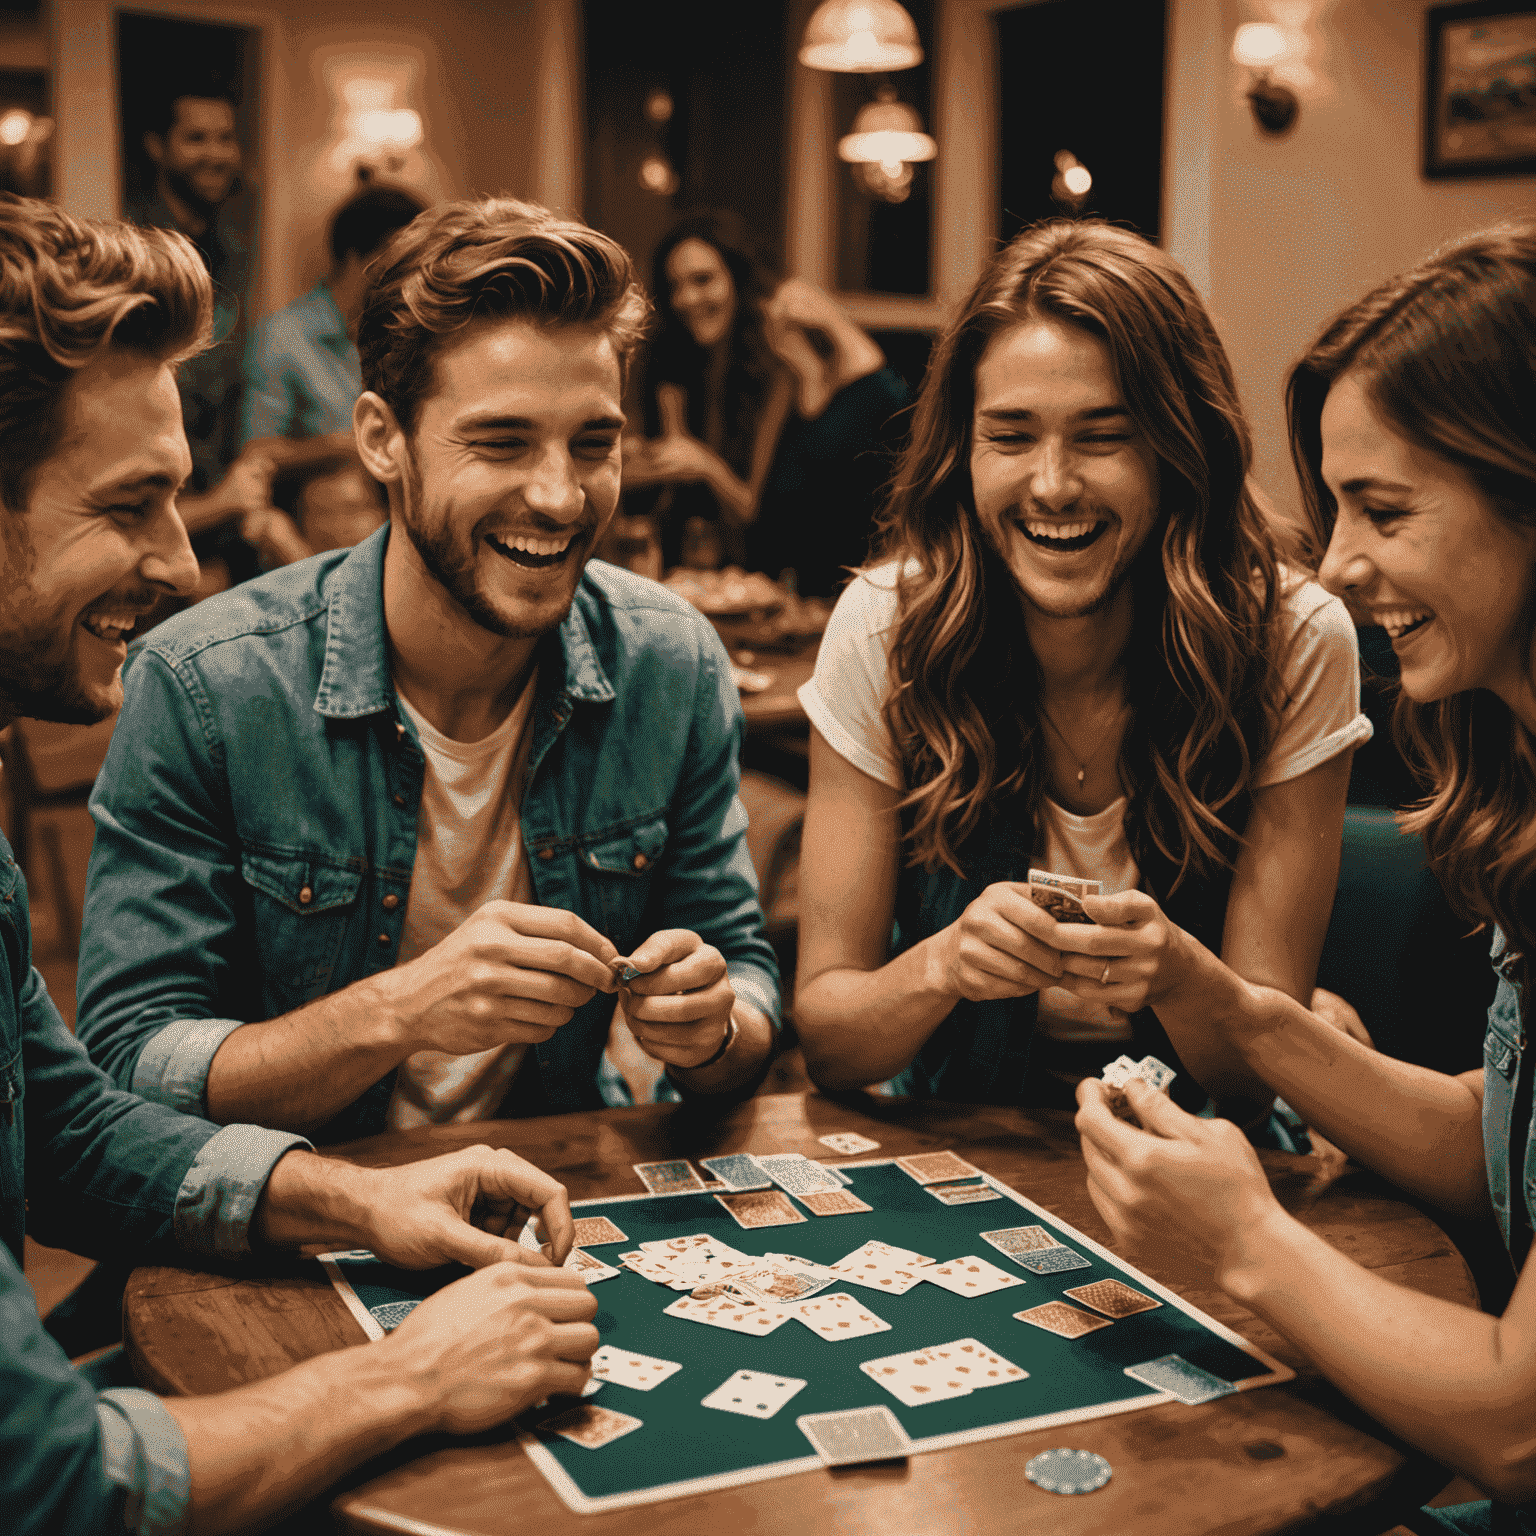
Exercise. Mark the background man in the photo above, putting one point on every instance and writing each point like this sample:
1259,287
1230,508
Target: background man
197,157
302,378
373,828
91,457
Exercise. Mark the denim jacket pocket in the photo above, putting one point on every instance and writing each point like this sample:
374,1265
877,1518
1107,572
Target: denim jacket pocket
302,903
617,866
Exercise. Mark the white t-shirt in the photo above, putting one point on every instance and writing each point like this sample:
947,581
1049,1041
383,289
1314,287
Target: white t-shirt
469,850
1321,717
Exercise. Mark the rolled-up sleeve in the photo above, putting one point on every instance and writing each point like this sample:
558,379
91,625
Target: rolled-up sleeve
173,1065
218,1196
144,1452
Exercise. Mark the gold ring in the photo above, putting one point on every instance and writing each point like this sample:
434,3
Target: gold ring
1104,979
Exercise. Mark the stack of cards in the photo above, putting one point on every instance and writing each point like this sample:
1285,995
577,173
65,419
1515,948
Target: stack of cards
941,1372
882,1268
579,1262
781,1279
1061,895
936,1167
686,1263
735,1313
1122,1069
1034,1249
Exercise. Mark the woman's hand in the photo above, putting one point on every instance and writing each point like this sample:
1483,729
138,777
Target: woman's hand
1129,957
1177,1184
1003,945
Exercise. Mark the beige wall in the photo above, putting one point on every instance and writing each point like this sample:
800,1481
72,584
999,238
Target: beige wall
497,86
1279,234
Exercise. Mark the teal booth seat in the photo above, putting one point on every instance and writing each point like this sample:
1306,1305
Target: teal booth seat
1419,980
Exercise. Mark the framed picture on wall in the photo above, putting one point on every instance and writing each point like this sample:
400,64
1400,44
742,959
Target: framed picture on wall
1480,89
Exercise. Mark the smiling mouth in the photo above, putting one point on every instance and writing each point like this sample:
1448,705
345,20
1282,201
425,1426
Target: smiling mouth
1401,622
532,553
112,628
1062,538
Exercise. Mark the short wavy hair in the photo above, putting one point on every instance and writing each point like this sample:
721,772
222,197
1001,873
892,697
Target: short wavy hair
68,290
495,258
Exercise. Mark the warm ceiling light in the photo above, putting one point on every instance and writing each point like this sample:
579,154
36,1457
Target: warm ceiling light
887,133
1259,44
1077,179
15,126
860,37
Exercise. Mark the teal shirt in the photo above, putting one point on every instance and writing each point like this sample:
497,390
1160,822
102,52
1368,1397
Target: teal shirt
302,374
256,817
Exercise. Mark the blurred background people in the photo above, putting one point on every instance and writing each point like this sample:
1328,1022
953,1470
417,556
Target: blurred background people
772,414
302,378
193,145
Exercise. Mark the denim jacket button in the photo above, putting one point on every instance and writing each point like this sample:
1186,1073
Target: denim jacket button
384,938
391,901
546,853
641,861
399,799
306,896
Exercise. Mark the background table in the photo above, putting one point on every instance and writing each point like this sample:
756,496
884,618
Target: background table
1286,1458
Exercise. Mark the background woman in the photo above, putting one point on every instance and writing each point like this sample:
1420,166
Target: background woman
1079,652
770,411
1413,431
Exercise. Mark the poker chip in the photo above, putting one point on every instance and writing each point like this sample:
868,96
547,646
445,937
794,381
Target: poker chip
1064,1471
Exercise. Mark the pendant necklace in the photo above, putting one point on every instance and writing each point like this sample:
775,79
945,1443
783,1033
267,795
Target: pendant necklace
1082,762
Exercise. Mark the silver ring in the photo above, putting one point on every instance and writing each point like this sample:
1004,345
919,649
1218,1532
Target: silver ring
1104,979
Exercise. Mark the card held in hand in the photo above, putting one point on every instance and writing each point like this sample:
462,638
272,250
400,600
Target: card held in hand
1061,895
854,1435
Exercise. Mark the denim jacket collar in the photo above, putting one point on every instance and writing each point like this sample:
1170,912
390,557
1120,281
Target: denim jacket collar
355,680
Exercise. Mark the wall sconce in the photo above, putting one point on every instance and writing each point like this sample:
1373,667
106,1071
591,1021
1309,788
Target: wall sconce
376,135
1258,46
860,37
1072,182
886,141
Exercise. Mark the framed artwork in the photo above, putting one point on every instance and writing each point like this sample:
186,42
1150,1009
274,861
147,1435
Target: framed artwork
1480,89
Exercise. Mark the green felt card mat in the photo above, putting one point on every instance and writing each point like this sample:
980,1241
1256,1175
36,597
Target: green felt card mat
684,1443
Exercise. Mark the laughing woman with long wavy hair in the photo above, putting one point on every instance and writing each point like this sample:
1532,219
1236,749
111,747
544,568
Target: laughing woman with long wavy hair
1078,651
1413,427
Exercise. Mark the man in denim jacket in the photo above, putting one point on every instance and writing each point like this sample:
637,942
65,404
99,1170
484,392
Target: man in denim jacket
92,453
379,835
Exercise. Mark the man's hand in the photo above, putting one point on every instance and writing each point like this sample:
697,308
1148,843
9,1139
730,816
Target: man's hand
679,1009
1002,945
496,1342
509,974
466,1207
1131,942
1178,1185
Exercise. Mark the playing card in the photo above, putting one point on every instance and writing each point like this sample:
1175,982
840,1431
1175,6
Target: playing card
881,1268
390,1314
969,1276
847,1143
962,1194
837,1173
591,1270
1051,1261
590,1425
838,1316
1057,1317
764,1208
1016,1240
670,1178
936,1167
1120,1071
655,1267
594,1231
737,1170
733,1312
1061,895
1112,1298
916,1377
833,1202
629,1368
777,1286
854,1435
692,1242
757,1394
1175,1375
797,1174
1154,1073
978,1365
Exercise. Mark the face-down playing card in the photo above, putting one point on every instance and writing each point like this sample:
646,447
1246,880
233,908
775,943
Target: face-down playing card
1112,1298
1175,1375
591,1426
756,1394
833,1202
629,1368
1058,1318
594,1231
674,1177
765,1208
936,1167
852,1435
737,1171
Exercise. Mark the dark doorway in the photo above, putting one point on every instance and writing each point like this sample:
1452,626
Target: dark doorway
1085,76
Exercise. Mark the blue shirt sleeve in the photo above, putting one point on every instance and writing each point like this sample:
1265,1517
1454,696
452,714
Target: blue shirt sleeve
144,1453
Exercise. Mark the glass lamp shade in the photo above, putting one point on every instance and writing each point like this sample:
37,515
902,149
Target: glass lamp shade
887,132
860,37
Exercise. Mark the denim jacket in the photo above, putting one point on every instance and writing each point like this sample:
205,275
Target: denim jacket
86,1167
256,817
1509,1119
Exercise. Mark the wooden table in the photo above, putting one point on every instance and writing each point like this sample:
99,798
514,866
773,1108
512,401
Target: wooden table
777,708
1285,1458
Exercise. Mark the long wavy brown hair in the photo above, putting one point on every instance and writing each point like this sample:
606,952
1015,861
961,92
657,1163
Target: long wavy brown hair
1447,355
1202,677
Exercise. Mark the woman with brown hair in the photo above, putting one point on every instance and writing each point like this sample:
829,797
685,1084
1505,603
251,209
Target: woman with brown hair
1413,426
1079,652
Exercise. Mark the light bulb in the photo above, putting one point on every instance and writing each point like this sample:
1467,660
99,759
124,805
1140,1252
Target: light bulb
15,126
1077,180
